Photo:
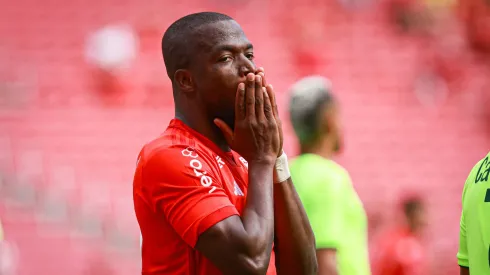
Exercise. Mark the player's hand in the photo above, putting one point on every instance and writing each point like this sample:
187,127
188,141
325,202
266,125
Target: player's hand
256,135
270,91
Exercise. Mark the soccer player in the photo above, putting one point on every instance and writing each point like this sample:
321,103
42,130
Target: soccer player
213,194
401,251
335,211
474,237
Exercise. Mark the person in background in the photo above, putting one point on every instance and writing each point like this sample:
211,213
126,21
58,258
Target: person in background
333,207
401,251
474,241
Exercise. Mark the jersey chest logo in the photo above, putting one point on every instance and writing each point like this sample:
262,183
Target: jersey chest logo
238,191
483,172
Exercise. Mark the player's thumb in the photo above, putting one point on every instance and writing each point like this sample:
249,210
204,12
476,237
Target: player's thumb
225,129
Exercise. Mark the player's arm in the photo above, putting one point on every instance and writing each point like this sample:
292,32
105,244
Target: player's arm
243,245
326,219
294,240
464,270
185,191
327,261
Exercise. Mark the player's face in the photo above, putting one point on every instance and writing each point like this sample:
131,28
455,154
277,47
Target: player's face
225,58
336,127
419,219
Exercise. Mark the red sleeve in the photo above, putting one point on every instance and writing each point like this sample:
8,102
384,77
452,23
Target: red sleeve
184,187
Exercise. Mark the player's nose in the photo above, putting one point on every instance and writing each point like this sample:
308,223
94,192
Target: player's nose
246,66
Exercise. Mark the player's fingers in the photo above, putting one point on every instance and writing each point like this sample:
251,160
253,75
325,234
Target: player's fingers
260,71
264,83
259,98
240,111
268,112
272,96
250,95
225,129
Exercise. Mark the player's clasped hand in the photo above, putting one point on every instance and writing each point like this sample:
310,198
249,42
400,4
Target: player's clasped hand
270,91
256,135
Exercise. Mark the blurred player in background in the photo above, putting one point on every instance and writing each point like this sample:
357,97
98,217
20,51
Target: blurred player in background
213,194
474,240
335,211
401,251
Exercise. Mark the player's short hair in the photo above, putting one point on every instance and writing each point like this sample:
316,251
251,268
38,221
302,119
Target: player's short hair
177,40
411,204
308,98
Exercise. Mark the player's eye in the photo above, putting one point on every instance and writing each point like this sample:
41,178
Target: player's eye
250,56
225,58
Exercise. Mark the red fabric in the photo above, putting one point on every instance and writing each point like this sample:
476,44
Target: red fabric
476,13
183,185
399,253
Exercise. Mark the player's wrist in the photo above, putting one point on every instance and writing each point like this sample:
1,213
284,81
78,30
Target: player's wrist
281,169
263,162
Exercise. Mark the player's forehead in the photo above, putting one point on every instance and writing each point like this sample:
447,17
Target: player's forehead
222,34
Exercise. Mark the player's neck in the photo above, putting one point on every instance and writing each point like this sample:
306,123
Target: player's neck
206,128
323,148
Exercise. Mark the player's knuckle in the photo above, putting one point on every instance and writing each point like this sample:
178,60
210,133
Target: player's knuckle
267,108
241,105
271,125
253,123
250,102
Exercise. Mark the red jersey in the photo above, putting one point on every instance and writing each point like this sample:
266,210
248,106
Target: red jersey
183,185
400,253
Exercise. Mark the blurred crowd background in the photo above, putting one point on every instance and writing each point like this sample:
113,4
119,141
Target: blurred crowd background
83,86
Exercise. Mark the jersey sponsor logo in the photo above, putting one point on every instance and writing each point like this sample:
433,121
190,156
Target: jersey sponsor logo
487,195
244,162
220,162
238,191
483,171
196,165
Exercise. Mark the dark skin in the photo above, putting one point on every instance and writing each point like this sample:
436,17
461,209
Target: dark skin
222,96
464,270
292,242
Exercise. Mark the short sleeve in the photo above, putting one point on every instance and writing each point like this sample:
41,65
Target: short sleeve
184,187
325,211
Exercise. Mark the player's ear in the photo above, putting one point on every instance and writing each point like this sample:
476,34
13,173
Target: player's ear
326,120
183,79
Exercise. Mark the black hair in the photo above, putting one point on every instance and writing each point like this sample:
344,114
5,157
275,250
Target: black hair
177,40
411,205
